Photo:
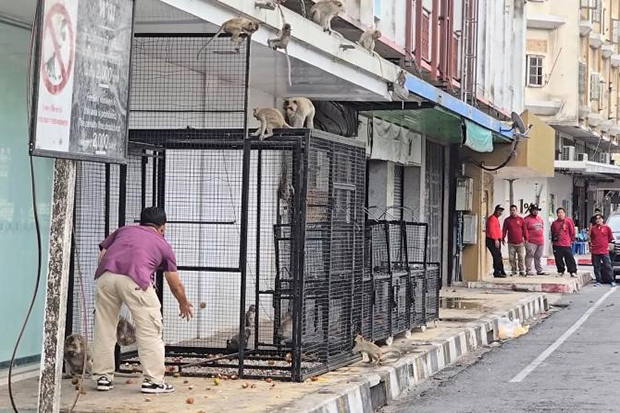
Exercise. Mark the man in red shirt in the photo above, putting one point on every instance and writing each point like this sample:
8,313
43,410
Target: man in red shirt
600,237
514,227
562,236
494,236
535,240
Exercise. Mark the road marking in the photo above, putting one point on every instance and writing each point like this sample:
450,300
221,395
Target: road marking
553,347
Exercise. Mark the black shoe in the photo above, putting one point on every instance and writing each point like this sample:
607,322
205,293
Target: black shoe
500,276
541,273
152,388
104,384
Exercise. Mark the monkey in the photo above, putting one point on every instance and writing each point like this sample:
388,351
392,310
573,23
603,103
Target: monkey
239,27
270,119
285,332
285,188
368,38
281,42
250,317
299,112
232,344
324,11
374,352
400,92
125,332
75,349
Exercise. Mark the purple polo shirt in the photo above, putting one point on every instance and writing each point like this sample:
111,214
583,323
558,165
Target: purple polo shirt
136,251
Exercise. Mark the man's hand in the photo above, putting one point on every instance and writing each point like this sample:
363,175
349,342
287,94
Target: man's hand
496,243
185,310
177,289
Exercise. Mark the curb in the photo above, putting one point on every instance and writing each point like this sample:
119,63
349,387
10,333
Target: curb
574,285
368,392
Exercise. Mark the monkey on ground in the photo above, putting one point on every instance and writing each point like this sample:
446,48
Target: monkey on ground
239,28
299,112
324,11
232,344
373,351
281,42
270,119
76,348
125,332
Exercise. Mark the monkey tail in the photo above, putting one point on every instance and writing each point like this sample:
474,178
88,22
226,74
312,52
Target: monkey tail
210,40
288,63
282,19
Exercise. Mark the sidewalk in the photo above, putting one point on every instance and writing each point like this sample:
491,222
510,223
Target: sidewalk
469,320
550,283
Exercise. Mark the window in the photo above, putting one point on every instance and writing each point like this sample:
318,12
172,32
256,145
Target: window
581,86
595,86
535,70
377,9
615,34
597,11
587,4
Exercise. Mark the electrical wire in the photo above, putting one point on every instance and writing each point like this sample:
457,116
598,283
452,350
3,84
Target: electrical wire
33,36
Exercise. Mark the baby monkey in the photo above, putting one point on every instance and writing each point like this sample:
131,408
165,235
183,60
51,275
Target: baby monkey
299,112
232,345
239,28
368,39
281,42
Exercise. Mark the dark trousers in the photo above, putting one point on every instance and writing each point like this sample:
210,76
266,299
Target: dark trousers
602,268
564,255
496,253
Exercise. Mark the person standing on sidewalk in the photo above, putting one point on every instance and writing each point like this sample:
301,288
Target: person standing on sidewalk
600,238
535,241
514,227
128,259
494,236
562,237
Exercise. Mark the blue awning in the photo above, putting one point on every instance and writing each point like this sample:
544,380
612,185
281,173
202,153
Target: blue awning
429,92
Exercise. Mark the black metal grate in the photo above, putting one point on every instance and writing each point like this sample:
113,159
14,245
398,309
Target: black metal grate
433,284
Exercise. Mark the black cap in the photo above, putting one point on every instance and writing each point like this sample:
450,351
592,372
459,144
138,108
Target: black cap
498,207
534,207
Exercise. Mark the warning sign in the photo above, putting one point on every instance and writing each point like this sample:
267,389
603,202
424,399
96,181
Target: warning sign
83,79
58,49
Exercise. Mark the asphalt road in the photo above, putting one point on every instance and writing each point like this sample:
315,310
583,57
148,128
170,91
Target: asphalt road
579,374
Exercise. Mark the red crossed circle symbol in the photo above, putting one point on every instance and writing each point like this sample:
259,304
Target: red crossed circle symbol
49,30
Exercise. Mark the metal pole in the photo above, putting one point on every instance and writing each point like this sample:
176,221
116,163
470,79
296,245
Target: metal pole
59,255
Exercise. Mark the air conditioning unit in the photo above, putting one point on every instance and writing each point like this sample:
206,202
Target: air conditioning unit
605,158
582,157
568,153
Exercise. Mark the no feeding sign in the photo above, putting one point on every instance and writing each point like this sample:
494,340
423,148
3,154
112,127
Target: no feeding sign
81,83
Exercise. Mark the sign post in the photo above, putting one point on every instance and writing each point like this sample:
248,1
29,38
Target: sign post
79,112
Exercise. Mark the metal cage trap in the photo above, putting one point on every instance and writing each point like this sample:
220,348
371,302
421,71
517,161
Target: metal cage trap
275,224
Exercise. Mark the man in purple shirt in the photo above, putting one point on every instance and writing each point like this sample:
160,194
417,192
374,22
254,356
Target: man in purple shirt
128,259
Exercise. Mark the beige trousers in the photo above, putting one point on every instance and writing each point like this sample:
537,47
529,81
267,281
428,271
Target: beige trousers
112,291
516,255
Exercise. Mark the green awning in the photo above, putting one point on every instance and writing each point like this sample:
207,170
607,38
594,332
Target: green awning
478,138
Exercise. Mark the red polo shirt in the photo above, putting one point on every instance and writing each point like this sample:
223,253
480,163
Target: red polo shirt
535,229
494,231
600,237
564,230
516,230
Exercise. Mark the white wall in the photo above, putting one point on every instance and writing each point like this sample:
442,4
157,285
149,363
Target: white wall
501,53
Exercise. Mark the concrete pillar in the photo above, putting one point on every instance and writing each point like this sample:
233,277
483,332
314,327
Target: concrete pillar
61,229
